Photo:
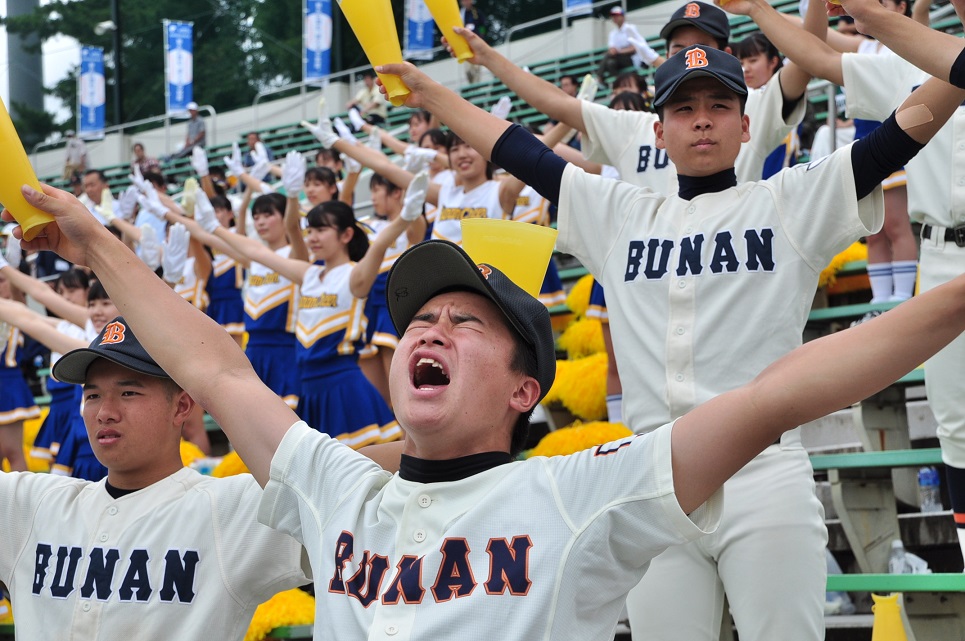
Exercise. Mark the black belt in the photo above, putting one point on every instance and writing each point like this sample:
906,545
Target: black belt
952,234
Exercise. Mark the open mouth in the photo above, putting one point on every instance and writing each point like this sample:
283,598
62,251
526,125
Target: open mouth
107,436
429,373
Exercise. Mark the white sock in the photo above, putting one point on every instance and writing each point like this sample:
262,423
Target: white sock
614,408
881,282
904,274
961,539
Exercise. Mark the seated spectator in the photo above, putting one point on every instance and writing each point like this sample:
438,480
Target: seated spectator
147,164
620,54
369,101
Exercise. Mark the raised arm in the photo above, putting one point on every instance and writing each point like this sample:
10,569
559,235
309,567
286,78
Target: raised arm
541,95
293,229
43,294
941,55
218,375
716,439
37,326
256,251
812,54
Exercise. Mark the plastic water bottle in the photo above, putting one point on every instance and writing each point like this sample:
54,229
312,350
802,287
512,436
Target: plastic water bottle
928,490
896,562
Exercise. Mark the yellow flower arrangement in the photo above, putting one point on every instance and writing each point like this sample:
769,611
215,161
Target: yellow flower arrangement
857,251
583,337
190,452
578,300
293,607
230,465
581,386
578,437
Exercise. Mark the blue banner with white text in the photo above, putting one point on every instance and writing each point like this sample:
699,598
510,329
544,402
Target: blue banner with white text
419,31
577,7
91,93
178,65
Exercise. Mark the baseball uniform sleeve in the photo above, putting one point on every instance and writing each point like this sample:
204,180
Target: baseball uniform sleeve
613,137
627,487
876,85
592,210
311,474
818,206
23,493
768,127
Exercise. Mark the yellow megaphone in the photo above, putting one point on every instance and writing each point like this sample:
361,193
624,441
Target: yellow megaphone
374,25
887,624
446,16
16,173
520,250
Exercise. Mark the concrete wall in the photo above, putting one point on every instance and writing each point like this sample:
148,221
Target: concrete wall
582,35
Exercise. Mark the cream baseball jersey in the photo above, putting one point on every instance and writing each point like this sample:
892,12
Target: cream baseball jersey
455,203
753,251
876,85
184,558
545,548
626,140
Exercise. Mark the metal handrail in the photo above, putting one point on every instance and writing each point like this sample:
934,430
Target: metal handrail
561,16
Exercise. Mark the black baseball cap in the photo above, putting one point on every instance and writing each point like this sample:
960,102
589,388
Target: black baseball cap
439,266
694,62
706,17
116,343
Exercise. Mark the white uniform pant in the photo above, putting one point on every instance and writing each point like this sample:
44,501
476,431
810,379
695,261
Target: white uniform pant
768,555
945,372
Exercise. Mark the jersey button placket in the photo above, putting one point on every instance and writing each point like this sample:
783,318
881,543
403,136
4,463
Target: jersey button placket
425,501
419,536
112,510
103,537
391,630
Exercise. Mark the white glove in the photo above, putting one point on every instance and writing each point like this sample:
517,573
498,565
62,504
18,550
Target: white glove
149,249
356,118
375,139
588,88
127,202
204,213
416,159
106,208
189,196
351,165
138,180
322,131
502,108
343,131
644,50
14,253
233,162
802,9
175,253
293,173
415,196
152,204
199,161
4,334
259,156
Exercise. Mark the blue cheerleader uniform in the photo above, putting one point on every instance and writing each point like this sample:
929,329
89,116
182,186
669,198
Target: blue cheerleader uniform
226,305
597,308
270,322
76,456
335,396
16,401
380,332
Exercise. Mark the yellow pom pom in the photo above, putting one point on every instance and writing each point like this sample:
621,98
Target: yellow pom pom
230,465
293,607
857,251
579,437
582,387
553,395
582,338
190,452
578,300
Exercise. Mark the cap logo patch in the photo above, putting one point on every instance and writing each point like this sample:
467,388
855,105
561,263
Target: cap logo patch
113,334
692,10
696,58
485,270
401,293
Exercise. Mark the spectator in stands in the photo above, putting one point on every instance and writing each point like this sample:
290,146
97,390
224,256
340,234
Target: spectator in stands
75,155
371,105
475,20
197,134
253,141
95,182
620,53
570,84
147,164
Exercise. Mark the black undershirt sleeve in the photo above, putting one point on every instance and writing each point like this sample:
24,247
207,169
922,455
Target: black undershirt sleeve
957,75
524,156
880,154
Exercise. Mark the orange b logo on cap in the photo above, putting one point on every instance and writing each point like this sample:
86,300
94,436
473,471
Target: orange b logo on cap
696,58
113,334
692,10
485,270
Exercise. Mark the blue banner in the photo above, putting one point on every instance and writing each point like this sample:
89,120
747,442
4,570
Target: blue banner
316,40
418,31
178,65
91,93
577,7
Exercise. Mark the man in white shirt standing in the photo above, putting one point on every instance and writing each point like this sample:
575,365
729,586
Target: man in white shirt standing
621,54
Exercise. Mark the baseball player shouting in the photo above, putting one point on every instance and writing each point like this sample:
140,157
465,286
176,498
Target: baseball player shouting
936,177
676,269
544,548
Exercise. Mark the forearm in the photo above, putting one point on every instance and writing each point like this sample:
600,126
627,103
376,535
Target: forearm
37,327
518,152
393,143
376,161
293,228
44,295
927,109
347,194
803,48
879,154
479,128
367,270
